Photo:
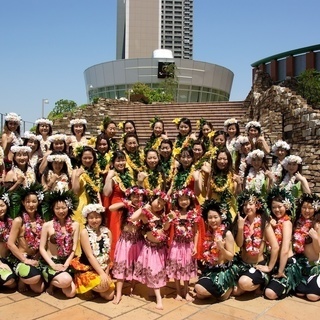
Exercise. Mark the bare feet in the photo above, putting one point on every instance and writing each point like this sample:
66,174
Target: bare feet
236,292
189,298
178,298
116,300
159,305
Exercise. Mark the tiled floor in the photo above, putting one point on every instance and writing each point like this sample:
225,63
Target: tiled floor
14,305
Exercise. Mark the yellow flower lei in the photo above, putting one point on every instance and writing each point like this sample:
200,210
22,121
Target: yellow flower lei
227,185
96,184
118,180
157,143
188,179
132,165
146,183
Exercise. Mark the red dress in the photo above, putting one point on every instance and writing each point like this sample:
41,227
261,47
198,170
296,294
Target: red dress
114,218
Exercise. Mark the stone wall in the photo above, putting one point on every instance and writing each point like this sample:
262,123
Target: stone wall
284,114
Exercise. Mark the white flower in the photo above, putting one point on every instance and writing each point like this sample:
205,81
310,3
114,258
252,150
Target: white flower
31,136
92,207
253,154
280,144
44,121
291,159
78,121
68,202
241,140
316,205
230,121
286,202
15,149
251,124
40,195
57,137
57,157
12,117
6,199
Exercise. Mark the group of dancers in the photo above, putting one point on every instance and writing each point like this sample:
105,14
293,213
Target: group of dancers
219,206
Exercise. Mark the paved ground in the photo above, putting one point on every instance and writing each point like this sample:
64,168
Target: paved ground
14,305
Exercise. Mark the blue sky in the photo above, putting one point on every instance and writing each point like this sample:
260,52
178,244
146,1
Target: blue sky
47,44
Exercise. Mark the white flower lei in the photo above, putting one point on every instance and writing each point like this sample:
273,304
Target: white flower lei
287,183
254,180
276,169
242,166
17,141
30,176
103,255
231,144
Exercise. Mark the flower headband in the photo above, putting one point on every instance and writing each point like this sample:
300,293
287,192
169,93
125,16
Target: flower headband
213,205
251,124
57,158
288,202
161,195
15,149
78,121
241,140
252,197
313,198
31,136
12,117
184,192
44,121
200,123
291,159
230,121
135,190
154,120
57,137
253,154
280,144
96,207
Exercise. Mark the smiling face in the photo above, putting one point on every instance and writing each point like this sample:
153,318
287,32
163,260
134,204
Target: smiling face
30,204
12,125
87,159
307,210
165,150
184,202
206,130
256,163
58,145
249,208
186,159
152,159
94,220
219,141
21,158
214,219
245,148
232,130
158,129
128,127
131,144
222,161
3,209
253,133
78,129
102,146
111,130
292,167
281,153
184,129
278,209
60,210
157,204
119,164
197,151
44,129
57,166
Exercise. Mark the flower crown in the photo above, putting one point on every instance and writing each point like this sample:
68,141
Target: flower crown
176,121
92,207
78,121
31,136
4,196
230,121
135,190
184,192
251,124
57,158
241,140
153,121
313,198
223,207
253,154
57,137
200,123
12,117
280,144
253,197
288,202
161,195
120,125
15,149
291,159
44,121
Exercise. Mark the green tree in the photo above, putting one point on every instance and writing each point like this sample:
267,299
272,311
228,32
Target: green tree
309,87
60,107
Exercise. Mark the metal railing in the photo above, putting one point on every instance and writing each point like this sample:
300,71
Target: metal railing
25,125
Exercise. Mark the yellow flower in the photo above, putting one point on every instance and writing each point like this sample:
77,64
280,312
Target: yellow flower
120,125
101,128
92,142
211,134
176,120
198,124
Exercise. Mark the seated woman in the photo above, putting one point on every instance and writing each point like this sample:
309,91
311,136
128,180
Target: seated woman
95,241
58,242
217,278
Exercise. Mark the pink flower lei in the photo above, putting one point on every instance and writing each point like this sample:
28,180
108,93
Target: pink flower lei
185,230
159,234
64,240
300,234
253,241
5,227
210,249
32,238
131,210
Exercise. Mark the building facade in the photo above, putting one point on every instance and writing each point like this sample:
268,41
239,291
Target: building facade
146,25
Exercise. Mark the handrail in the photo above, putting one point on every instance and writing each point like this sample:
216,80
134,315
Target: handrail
25,125
286,54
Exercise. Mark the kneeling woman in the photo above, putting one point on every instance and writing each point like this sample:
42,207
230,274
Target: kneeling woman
253,231
94,263
58,242
217,278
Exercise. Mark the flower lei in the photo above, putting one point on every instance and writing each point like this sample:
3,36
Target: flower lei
181,142
159,234
62,184
100,253
255,181
221,183
124,179
93,183
168,168
300,234
135,160
17,141
29,175
32,237
253,240
104,161
5,227
204,158
153,143
242,166
288,182
185,230
278,229
210,249
64,240
131,210
153,180
182,179
277,171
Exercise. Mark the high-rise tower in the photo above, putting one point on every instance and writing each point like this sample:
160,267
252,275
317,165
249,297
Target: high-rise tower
146,25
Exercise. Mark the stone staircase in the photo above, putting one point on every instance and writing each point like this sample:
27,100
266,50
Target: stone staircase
118,111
